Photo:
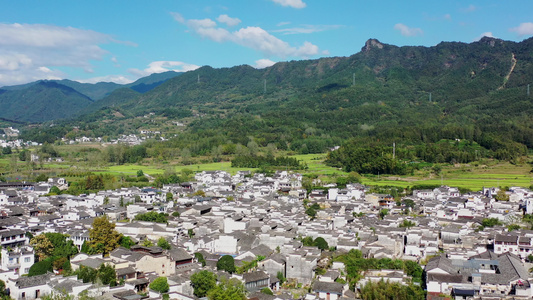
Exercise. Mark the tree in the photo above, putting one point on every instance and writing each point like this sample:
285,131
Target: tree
203,282
58,263
386,290
200,258
140,173
62,246
501,195
54,190
169,196
185,156
24,155
6,150
407,223
311,212
87,274
232,289
41,267
281,277
163,243
160,284
42,246
321,243
126,241
147,243
103,237
41,178
3,292
512,227
107,274
226,263
490,222
383,213
152,216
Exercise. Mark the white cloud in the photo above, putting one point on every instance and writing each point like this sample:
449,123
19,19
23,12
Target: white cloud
31,51
408,31
251,37
469,8
523,29
308,29
263,63
178,17
447,17
215,34
484,34
228,20
163,66
283,24
291,3
109,78
204,23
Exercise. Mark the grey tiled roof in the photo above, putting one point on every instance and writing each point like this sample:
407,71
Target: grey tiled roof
328,287
27,281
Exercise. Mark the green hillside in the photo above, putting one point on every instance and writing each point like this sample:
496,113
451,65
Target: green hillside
43,101
421,98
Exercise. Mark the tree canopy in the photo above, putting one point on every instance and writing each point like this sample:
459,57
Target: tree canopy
103,238
160,284
202,282
226,263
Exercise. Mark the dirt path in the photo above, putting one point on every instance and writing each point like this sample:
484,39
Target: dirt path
506,78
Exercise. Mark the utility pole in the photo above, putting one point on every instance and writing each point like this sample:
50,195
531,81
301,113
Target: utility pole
353,80
265,86
198,78
429,97
393,151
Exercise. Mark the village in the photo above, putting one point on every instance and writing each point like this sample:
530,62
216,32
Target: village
252,217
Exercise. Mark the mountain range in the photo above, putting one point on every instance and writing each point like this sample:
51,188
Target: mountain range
477,91
47,100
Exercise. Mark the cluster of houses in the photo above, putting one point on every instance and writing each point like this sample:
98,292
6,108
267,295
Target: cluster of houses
257,217
130,139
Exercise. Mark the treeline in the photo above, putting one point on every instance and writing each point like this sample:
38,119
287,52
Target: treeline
122,153
375,157
258,161
356,265
366,160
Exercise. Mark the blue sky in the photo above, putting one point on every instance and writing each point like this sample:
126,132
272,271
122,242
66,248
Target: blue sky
121,40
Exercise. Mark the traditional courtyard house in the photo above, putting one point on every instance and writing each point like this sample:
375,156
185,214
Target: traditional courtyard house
506,243
19,259
328,290
256,280
28,288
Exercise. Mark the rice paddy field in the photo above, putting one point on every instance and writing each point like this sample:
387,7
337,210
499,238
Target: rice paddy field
473,177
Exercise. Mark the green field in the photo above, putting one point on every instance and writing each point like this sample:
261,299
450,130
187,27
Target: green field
473,177
131,169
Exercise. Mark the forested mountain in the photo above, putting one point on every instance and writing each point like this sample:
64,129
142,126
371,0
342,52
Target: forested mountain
54,101
65,95
408,95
